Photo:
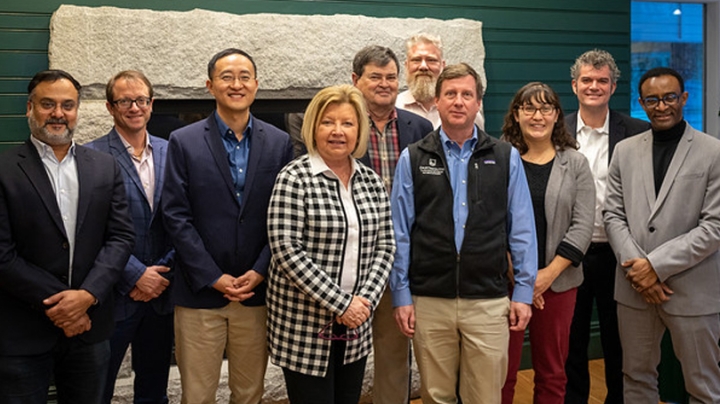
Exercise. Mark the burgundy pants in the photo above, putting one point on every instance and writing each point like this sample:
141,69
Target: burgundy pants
549,340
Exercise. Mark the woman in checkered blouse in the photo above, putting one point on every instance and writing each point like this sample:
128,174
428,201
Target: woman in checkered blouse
332,247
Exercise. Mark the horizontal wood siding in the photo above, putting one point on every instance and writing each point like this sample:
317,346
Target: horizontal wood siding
525,40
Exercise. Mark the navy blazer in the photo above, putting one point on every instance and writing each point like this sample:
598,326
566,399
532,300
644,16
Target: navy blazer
152,245
212,232
411,128
621,126
34,251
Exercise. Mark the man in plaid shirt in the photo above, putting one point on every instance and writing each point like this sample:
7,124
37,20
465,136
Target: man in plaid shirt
375,74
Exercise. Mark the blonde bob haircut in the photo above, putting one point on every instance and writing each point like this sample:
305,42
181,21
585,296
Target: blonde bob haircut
342,94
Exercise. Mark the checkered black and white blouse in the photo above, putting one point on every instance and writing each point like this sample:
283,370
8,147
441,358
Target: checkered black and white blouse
307,232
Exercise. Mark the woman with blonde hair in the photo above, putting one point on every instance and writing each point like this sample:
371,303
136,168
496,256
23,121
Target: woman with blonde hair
332,247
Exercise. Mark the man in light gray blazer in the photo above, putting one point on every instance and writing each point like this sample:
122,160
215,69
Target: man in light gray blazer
662,216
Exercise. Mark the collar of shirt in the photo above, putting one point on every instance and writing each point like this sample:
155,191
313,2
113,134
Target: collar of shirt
227,133
318,166
604,130
391,120
147,150
45,151
450,146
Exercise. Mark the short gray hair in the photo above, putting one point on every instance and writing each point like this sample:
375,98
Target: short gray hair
424,38
597,58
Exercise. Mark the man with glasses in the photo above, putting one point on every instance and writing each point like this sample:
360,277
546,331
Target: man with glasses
375,74
220,173
65,235
423,64
597,129
143,311
662,216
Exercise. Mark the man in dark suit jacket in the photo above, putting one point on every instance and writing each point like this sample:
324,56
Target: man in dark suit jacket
65,235
597,129
219,177
143,311
375,74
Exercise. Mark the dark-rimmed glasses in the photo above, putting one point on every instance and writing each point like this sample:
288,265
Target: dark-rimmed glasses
326,333
125,103
530,110
667,99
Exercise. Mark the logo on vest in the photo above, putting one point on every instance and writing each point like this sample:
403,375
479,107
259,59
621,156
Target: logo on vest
432,168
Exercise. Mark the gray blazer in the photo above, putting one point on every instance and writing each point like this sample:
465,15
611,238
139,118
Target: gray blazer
569,210
679,231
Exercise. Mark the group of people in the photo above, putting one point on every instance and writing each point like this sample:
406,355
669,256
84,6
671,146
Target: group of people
401,220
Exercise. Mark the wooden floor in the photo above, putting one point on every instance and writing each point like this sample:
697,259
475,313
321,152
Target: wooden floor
524,387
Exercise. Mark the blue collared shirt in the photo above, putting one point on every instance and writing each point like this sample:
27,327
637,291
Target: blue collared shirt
521,223
63,176
238,153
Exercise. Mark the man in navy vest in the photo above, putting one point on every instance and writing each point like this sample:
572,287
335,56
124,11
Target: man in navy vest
460,203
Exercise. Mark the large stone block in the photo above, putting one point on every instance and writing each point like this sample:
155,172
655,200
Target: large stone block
296,55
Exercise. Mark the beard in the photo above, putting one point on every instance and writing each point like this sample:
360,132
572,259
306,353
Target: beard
422,87
41,133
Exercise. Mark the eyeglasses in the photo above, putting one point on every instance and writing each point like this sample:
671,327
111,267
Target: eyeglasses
667,99
326,334
430,62
125,103
529,109
48,105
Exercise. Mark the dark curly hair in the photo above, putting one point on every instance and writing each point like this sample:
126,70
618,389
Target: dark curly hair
539,92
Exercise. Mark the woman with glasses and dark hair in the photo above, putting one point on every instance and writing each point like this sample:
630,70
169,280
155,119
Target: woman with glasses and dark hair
332,247
563,198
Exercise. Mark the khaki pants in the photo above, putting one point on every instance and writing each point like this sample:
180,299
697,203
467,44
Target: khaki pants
465,339
201,337
391,381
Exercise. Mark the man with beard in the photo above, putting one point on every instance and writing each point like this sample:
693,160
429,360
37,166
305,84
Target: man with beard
423,65
65,235
375,74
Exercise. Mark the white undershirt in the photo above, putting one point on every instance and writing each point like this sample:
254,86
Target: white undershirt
595,146
352,241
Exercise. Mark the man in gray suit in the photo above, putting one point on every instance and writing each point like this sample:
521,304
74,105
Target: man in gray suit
597,129
662,216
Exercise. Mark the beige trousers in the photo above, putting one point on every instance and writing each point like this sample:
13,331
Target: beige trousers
201,337
391,381
461,338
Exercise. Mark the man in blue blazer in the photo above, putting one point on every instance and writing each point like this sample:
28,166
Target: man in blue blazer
143,311
375,74
65,235
220,173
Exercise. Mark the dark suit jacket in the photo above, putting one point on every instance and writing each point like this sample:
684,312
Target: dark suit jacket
152,245
621,126
411,128
34,248
212,232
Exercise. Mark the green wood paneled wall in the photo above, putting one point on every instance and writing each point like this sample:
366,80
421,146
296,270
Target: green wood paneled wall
525,40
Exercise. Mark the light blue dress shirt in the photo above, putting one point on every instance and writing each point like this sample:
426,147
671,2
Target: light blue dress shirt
521,223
